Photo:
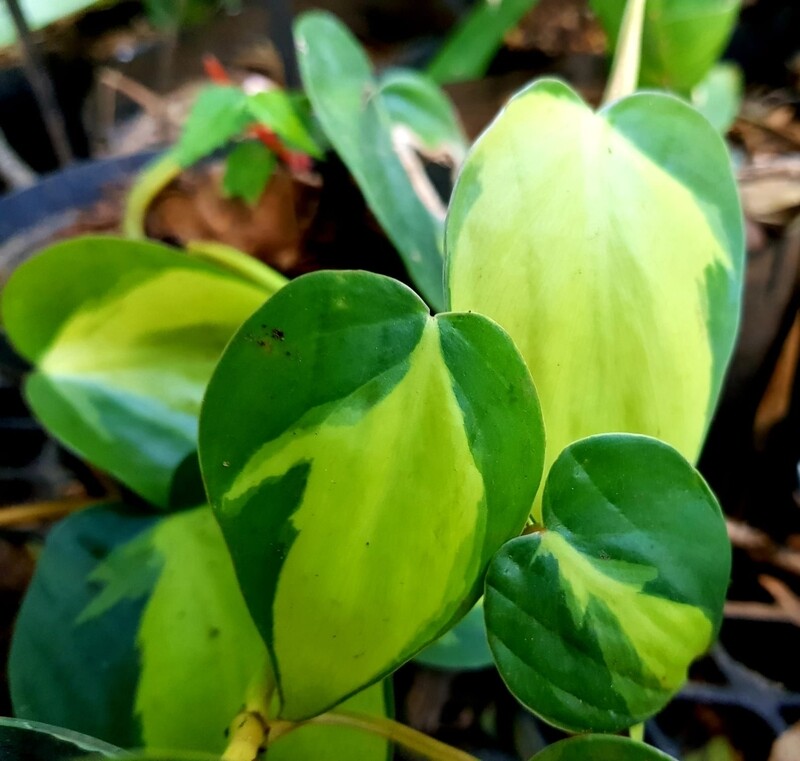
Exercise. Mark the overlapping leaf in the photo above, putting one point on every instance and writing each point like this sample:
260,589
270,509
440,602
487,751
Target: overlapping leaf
155,646
600,748
21,740
609,245
124,336
364,460
682,39
347,100
594,621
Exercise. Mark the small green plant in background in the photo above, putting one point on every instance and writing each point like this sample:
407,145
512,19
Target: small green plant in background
370,469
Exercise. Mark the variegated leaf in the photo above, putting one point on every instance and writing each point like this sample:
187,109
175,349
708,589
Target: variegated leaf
155,646
124,336
365,460
610,246
594,620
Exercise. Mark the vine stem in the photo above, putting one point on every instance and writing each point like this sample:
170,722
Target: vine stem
389,729
625,70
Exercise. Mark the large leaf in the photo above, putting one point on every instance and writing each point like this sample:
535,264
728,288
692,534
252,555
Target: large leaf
124,336
609,245
600,748
155,646
682,39
594,621
468,51
348,103
22,740
365,460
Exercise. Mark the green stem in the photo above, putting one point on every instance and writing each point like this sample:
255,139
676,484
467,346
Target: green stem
636,732
150,182
627,59
398,733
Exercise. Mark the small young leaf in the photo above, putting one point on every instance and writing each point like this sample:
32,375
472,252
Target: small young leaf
346,98
248,169
719,96
600,748
218,115
682,39
124,336
278,110
468,51
420,450
594,621
616,268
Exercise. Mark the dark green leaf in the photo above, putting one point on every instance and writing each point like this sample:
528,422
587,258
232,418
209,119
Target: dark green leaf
594,621
248,169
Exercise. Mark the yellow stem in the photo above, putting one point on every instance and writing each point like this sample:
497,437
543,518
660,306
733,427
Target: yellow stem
42,511
248,735
237,261
150,182
625,70
398,733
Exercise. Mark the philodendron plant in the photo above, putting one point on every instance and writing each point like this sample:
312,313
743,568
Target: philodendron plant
372,469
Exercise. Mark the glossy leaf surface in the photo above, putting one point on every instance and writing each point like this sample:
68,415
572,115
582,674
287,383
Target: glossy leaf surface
349,440
609,245
594,621
682,39
155,647
22,740
338,79
124,336
469,49
600,748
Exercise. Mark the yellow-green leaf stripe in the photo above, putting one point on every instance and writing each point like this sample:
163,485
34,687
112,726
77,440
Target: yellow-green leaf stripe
365,460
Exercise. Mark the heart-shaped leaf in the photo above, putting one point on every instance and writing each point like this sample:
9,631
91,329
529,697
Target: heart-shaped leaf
594,621
600,748
609,245
155,646
365,460
338,79
681,39
124,336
